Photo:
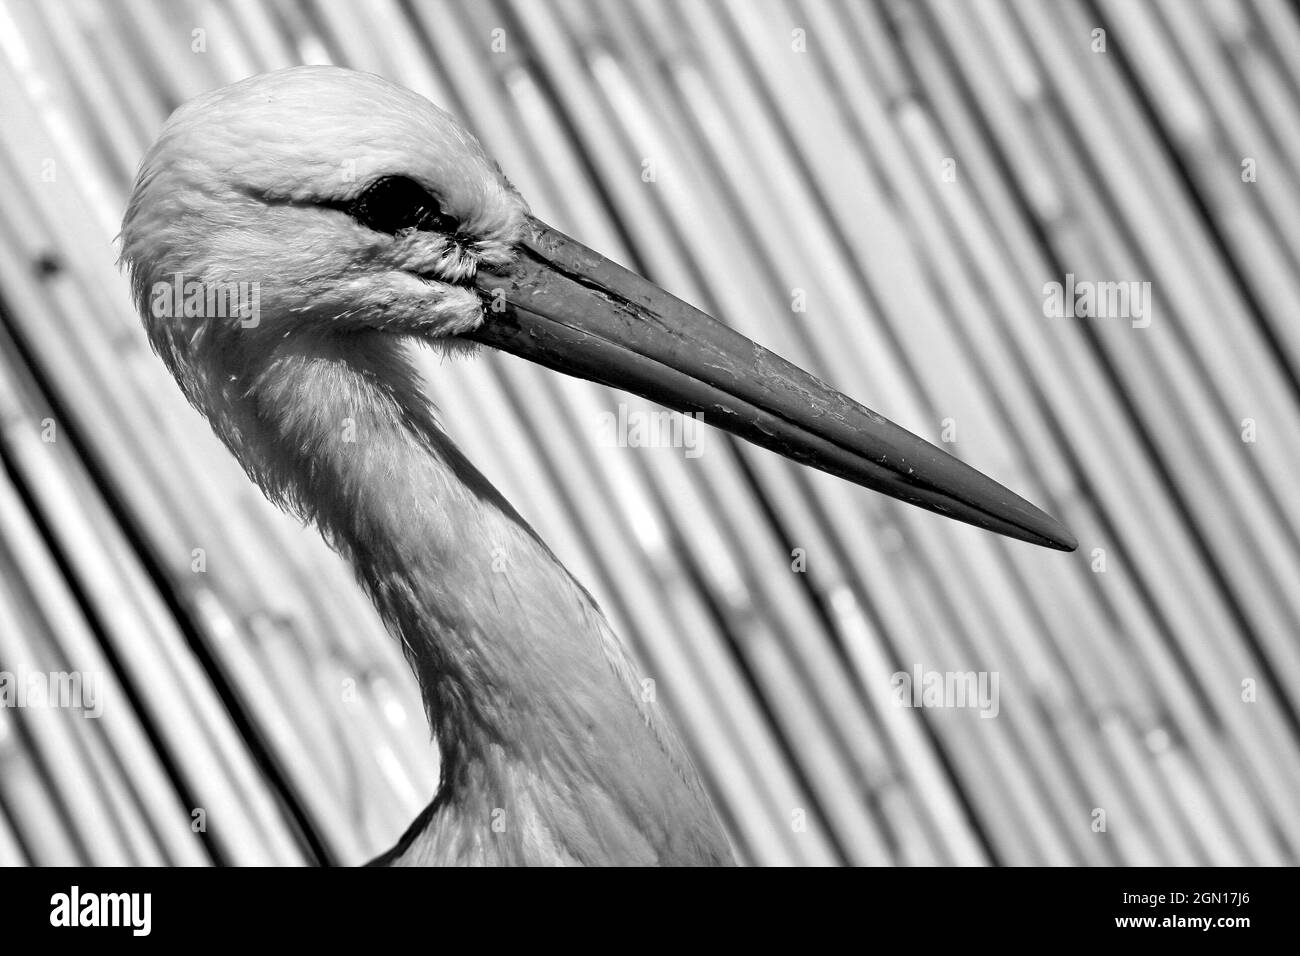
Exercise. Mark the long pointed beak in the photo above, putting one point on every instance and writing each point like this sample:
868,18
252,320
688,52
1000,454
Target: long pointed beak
572,310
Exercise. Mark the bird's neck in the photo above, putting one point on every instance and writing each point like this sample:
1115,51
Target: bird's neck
358,452
542,722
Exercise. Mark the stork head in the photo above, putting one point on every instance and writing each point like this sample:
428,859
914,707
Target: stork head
352,202
320,207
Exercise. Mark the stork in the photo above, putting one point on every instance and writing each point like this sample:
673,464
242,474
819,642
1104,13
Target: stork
371,219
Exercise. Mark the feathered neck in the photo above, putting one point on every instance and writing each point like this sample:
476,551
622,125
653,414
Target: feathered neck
551,749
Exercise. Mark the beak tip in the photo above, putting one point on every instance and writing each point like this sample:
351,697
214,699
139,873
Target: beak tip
1066,542
1058,537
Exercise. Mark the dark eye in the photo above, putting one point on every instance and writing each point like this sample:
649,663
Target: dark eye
394,203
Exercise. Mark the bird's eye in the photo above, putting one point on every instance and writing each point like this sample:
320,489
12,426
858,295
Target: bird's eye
392,204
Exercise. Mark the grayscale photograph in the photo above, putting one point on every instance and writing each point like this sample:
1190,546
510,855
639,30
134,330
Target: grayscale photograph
650,433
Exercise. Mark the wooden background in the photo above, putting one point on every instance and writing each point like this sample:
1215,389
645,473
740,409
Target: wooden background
912,174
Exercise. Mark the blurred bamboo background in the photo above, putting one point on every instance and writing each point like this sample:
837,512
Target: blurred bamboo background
879,191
